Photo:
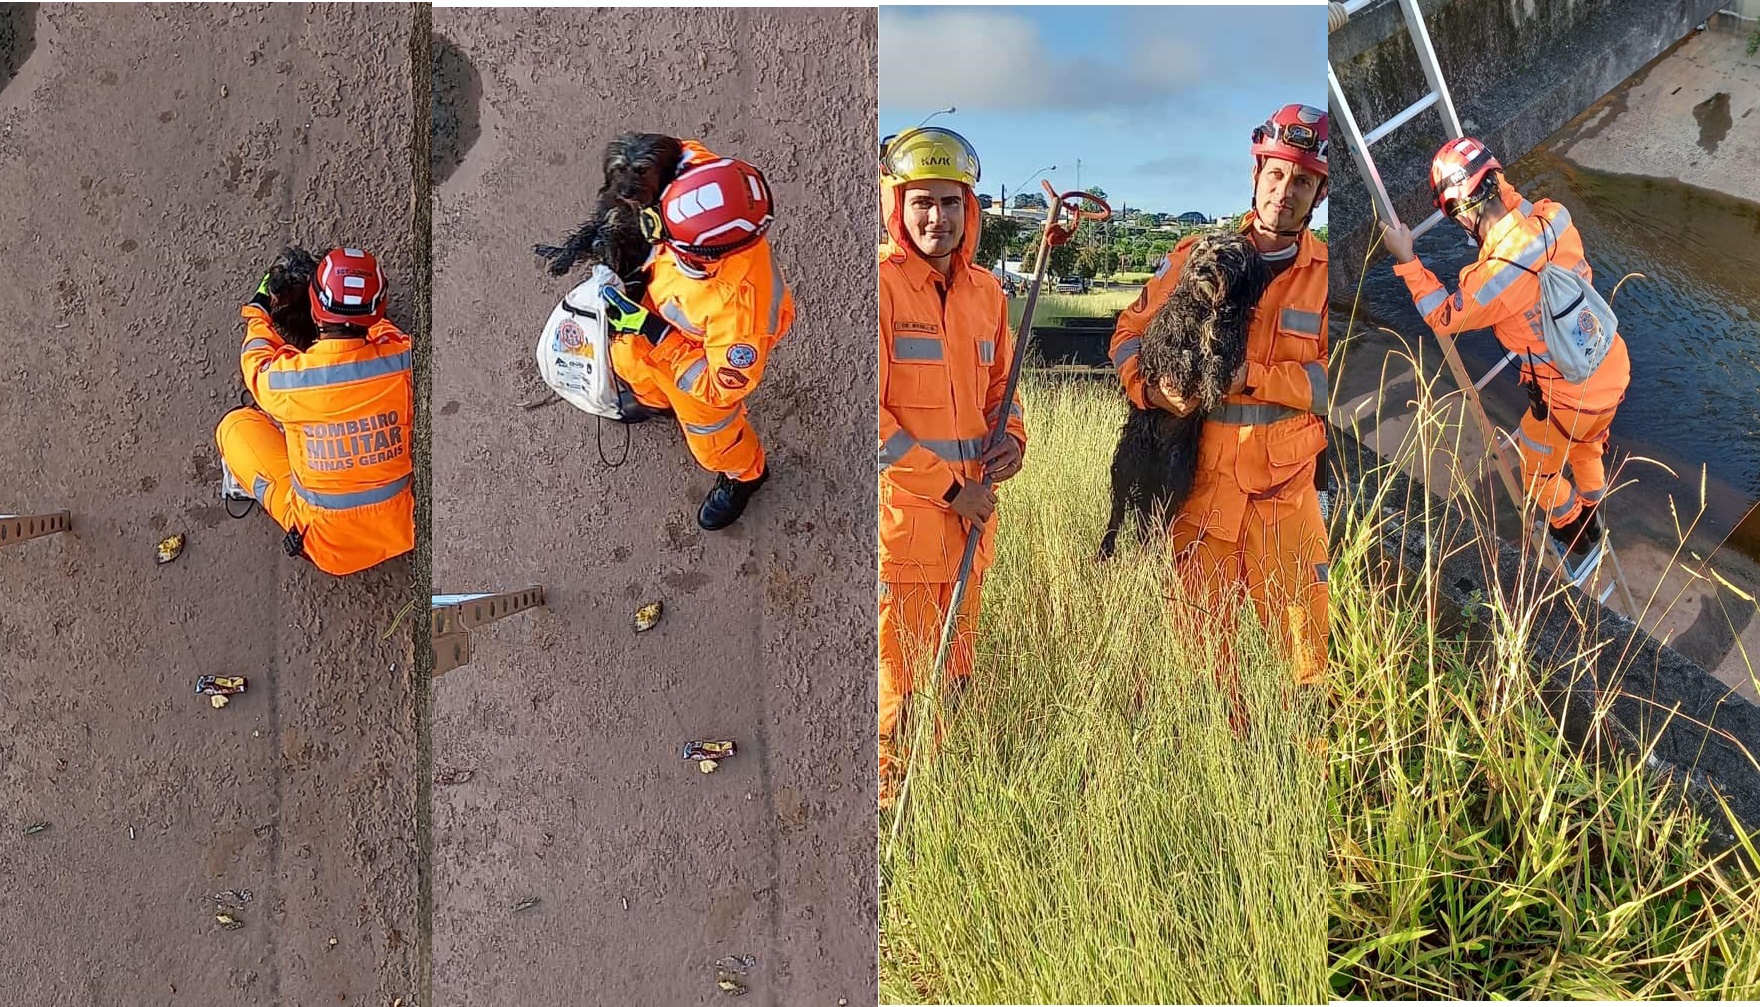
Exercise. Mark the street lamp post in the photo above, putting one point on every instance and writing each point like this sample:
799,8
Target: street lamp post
1003,263
949,110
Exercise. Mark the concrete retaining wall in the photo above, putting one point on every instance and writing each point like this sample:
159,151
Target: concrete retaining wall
1691,718
1517,69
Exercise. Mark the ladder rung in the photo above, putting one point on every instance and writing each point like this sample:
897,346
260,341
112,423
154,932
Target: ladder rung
1429,222
1352,6
1401,119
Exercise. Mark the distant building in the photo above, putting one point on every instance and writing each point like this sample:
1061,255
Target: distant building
1193,218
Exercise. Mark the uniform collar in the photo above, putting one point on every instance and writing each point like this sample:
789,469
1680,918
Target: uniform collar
1511,226
919,273
1309,248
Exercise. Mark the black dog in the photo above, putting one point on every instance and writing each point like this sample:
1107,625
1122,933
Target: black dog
1192,349
638,167
290,305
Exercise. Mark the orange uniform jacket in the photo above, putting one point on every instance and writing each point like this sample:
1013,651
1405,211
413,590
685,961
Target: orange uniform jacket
945,351
725,323
1506,298
345,408
729,319
1258,446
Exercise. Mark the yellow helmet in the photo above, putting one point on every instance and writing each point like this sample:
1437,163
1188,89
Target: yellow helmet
929,152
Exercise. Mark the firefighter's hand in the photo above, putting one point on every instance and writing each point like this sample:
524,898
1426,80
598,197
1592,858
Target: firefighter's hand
1003,462
1163,396
1239,384
1398,239
975,502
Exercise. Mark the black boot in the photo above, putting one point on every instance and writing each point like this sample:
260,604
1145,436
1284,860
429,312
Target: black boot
1579,535
727,501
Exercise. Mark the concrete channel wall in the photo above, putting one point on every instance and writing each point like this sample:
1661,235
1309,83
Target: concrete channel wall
1517,69
1668,706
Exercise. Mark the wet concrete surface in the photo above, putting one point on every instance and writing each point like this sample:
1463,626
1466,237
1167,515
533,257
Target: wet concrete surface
568,723
152,160
1688,115
18,38
1689,324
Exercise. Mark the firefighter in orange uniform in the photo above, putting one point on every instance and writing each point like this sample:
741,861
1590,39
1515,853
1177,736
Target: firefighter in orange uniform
714,307
945,351
326,448
1251,522
1565,422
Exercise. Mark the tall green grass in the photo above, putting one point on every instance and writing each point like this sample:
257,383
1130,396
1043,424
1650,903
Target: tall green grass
1090,829
1476,854
1095,304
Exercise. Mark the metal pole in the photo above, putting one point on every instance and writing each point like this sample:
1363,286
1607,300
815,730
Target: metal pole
16,528
452,617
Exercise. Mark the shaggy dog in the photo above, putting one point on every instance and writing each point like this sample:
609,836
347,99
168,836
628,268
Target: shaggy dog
290,304
1191,349
637,168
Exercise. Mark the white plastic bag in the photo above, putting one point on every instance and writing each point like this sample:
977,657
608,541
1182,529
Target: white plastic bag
574,350
1578,325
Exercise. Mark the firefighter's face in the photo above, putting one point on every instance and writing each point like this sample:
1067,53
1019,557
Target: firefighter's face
935,216
1285,193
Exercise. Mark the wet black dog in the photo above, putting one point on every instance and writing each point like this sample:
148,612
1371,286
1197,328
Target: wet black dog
637,168
290,304
1191,349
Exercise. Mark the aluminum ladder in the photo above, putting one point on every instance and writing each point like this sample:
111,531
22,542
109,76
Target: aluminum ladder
1359,144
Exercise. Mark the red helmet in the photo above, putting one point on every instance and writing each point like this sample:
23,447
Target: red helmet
348,289
1295,133
1456,172
713,210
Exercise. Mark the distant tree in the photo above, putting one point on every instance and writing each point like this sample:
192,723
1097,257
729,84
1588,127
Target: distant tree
1029,200
1063,257
1320,232
997,236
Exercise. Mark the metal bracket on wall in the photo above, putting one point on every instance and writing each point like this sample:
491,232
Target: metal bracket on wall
16,528
451,618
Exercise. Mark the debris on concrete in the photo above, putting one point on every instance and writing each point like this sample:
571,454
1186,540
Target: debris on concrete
730,973
220,685
708,751
648,616
453,774
526,903
170,549
228,921
35,827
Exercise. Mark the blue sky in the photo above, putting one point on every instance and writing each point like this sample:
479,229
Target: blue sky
1159,103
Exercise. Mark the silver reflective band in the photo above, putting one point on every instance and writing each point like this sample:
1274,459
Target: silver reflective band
1564,508
1305,322
691,374
347,501
776,291
675,314
1317,385
1126,350
257,344
1431,301
1531,444
970,449
336,374
1322,572
1528,258
916,348
894,448
1593,496
260,490
1256,414
986,352
713,428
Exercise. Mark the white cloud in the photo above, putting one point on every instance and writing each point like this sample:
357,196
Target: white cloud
990,60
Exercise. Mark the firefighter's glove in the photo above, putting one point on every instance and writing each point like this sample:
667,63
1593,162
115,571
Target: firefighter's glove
628,317
262,298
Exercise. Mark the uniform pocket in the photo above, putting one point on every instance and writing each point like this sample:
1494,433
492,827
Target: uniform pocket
916,376
1298,337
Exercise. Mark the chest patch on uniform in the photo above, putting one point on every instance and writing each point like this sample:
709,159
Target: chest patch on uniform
929,327
727,377
742,355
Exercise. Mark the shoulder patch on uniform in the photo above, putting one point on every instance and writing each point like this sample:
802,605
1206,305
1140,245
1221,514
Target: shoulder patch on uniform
1161,270
727,377
742,354
1142,300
